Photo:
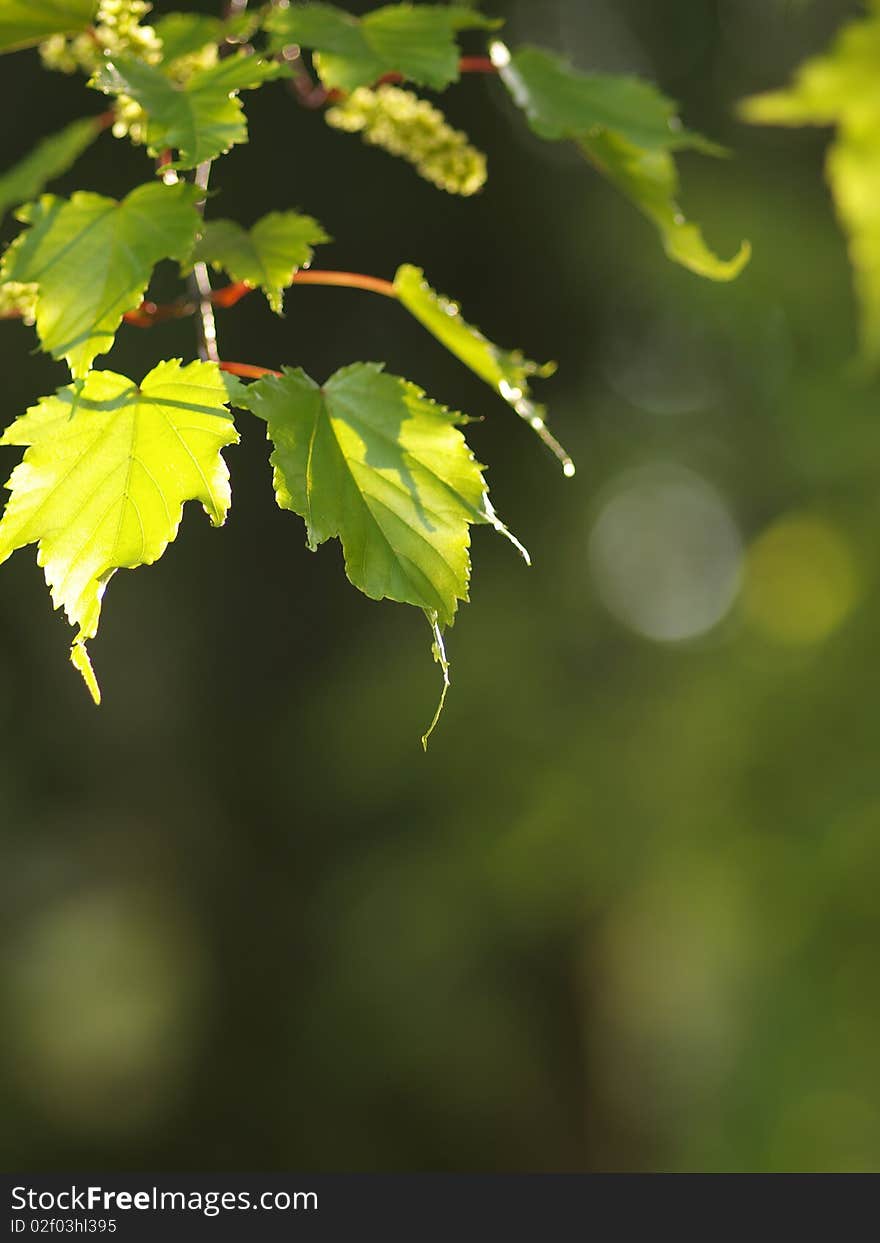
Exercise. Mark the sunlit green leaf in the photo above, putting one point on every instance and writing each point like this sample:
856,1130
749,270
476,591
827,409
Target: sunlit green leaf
266,256
200,118
628,130
108,467
507,371
91,259
416,41
24,22
49,158
842,88
368,458
649,178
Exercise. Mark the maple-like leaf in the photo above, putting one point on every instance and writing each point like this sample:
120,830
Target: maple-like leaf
369,458
107,469
416,41
91,259
200,118
266,256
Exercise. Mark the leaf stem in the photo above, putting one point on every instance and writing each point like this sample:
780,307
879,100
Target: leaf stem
248,371
199,283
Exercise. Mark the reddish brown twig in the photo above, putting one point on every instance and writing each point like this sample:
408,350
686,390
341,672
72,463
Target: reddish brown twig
249,371
312,95
230,294
150,313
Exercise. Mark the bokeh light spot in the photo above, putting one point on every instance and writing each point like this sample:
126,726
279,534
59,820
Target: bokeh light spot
666,554
801,580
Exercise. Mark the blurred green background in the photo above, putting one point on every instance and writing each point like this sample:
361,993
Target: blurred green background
624,913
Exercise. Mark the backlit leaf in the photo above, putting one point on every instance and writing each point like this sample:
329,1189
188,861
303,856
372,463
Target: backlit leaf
200,118
50,158
266,256
842,88
368,458
628,130
507,371
107,469
415,40
91,259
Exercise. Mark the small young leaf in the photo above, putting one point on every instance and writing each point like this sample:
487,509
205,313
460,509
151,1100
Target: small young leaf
200,118
507,371
369,458
49,158
416,41
108,467
91,259
25,22
628,130
841,89
266,256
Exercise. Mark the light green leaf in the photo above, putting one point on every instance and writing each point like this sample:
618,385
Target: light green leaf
25,22
368,458
266,256
650,180
842,88
108,467
91,259
507,371
416,41
200,118
50,158
628,130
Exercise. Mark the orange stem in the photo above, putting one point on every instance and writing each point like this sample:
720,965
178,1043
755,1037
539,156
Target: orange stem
248,370
348,280
476,64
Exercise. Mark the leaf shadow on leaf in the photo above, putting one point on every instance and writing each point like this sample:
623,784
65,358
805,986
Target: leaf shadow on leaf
382,446
77,402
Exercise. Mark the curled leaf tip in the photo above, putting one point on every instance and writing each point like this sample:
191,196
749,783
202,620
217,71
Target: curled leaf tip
438,650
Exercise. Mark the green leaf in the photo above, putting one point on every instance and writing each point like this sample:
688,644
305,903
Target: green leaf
628,130
91,259
842,88
266,256
368,458
200,118
108,467
25,22
50,158
184,34
507,371
650,180
562,103
416,41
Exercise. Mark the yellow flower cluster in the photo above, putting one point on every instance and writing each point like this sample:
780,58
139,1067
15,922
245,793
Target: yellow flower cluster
17,299
401,123
117,30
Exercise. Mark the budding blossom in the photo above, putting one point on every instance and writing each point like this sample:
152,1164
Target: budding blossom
401,123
